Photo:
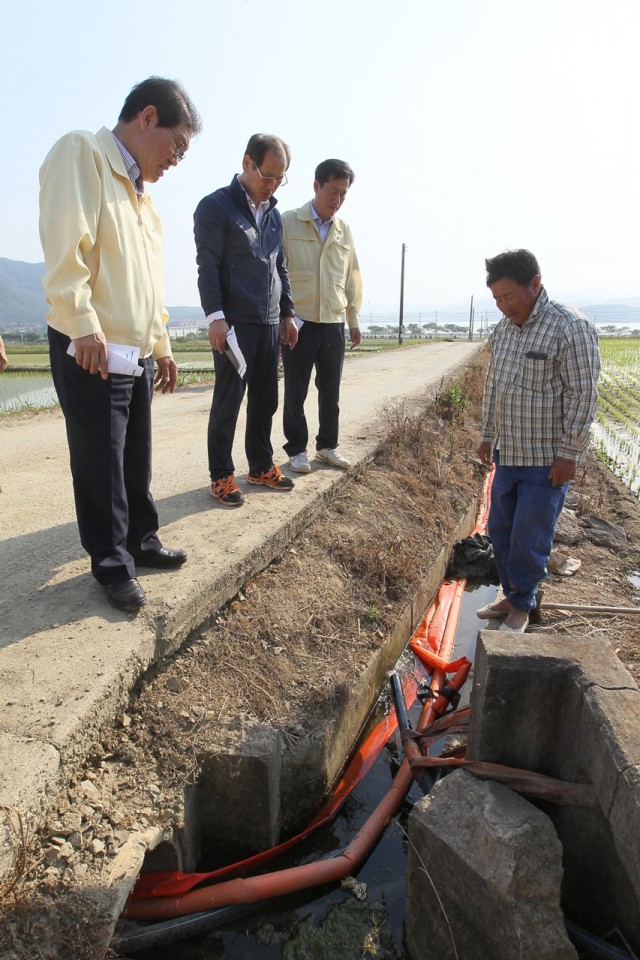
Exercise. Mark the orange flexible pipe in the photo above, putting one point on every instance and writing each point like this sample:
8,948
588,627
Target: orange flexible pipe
280,882
249,890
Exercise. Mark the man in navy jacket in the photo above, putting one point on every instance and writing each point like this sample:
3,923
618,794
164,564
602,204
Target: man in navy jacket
245,290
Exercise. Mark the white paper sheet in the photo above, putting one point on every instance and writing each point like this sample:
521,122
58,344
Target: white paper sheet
121,358
235,354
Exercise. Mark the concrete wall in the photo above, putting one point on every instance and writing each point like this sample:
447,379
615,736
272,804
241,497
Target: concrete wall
484,871
568,708
249,791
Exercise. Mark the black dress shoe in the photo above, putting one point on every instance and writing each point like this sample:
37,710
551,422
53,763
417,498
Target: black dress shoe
160,557
125,594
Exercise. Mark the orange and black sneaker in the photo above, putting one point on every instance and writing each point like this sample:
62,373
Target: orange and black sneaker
273,477
227,491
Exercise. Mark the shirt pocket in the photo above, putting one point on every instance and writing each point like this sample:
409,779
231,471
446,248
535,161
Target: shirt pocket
537,371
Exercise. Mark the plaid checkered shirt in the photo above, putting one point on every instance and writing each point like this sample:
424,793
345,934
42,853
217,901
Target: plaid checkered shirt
540,392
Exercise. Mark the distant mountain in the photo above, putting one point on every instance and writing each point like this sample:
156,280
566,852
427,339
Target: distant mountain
185,314
23,307
614,311
22,303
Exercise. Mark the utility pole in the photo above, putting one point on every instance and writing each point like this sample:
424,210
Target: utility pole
471,319
401,318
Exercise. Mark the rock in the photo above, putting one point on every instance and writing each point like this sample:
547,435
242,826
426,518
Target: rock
90,790
562,563
496,864
603,533
567,529
96,847
66,851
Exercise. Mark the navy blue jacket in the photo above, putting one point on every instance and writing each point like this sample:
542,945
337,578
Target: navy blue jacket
241,266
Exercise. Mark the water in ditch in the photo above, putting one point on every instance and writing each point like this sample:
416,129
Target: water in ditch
327,922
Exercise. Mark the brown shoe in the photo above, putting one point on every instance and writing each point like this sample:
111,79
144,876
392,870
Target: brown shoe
227,491
273,477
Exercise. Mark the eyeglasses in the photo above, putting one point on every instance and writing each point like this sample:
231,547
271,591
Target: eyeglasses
278,181
181,146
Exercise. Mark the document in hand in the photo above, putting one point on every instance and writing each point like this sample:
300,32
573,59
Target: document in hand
235,354
121,358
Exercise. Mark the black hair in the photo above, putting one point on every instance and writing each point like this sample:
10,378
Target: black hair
518,265
260,144
170,100
334,170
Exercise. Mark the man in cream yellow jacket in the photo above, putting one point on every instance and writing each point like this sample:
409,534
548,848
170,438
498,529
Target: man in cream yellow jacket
326,286
102,241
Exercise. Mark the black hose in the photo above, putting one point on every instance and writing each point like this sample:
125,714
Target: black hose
592,947
399,704
132,938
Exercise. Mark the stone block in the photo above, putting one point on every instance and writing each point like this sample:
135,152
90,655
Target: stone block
567,528
625,826
484,870
235,805
528,698
609,738
568,708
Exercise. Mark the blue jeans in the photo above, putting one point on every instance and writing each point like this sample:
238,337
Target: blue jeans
522,520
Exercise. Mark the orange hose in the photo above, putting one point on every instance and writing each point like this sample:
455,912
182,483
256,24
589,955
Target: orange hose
280,882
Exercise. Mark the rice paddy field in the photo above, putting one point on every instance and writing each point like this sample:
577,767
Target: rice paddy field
27,384
616,431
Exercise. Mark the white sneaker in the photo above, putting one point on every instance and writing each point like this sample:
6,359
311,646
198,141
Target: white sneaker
333,457
300,462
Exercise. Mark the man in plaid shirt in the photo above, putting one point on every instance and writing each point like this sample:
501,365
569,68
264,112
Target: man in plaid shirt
539,402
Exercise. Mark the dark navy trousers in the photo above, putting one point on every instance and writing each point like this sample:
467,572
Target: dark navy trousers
320,345
522,520
260,344
108,426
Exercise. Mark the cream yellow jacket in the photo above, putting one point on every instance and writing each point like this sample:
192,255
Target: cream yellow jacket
325,277
102,246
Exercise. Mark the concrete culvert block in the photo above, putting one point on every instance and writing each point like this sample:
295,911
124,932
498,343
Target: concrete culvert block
496,864
235,804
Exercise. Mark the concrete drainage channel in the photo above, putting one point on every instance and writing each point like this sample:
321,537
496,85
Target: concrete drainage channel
251,788
369,910
488,870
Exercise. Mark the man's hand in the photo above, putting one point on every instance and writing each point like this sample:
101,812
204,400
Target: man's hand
3,357
355,336
288,332
562,471
484,452
91,353
218,330
167,375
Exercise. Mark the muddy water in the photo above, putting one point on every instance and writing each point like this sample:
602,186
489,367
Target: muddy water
332,922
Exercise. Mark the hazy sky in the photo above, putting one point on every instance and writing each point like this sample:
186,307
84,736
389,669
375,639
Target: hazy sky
472,125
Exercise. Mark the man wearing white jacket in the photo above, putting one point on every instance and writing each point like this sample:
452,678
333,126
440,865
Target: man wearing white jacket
326,286
102,241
